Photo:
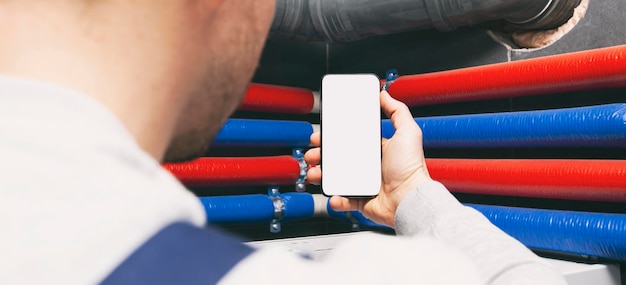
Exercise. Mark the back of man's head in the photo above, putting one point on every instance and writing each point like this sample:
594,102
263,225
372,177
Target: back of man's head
142,59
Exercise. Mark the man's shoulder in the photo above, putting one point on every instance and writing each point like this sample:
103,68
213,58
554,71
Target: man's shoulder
83,209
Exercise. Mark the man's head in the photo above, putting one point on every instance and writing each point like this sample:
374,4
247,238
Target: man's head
235,41
171,71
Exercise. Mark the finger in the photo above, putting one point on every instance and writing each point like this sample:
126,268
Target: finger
316,139
314,175
313,156
341,204
397,111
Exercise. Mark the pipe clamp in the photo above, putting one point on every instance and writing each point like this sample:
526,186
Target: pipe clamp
298,154
279,209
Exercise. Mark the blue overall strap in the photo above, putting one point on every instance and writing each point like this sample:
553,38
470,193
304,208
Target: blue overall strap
181,254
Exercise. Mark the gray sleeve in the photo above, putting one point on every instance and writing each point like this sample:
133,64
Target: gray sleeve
432,211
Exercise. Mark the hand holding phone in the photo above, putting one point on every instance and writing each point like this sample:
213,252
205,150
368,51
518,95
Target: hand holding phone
403,166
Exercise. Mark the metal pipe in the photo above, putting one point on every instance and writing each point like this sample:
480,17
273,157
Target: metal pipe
578,71
351,20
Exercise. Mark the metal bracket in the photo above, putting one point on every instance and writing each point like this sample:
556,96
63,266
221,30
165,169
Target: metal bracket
298,154
279,209
390,76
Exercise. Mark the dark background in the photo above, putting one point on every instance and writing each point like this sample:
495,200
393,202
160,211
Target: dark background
302,64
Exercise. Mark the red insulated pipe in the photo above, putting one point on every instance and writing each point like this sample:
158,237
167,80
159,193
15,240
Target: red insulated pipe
590,180
277,99
579,71
237,171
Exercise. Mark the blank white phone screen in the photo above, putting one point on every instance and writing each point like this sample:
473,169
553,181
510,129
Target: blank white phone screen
351,135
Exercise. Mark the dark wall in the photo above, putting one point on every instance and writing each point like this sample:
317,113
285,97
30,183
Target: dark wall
302,64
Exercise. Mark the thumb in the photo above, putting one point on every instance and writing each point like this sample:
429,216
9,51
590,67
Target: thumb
397,111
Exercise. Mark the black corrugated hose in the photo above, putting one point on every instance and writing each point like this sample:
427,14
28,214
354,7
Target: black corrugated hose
351,20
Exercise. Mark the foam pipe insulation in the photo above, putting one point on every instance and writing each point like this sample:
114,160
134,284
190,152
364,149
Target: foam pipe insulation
279,99
237,171
354,217
257,208
595,126
593,234
573,179
351,20
580,233
264,133
578,71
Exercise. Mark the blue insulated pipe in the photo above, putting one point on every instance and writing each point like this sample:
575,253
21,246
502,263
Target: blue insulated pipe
594,234
260,208
596,126
263,133
582,233
256,208
353,217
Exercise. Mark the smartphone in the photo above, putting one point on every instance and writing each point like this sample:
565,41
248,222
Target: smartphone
350,135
